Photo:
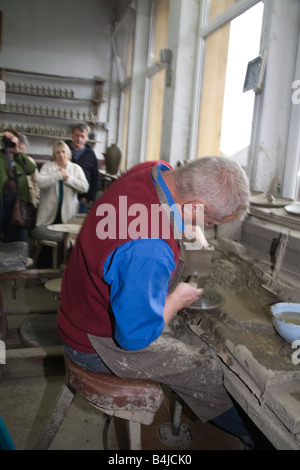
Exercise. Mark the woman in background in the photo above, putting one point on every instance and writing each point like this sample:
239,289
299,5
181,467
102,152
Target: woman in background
60,181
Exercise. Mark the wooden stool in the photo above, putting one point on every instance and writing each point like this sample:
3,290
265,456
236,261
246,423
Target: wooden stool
13,262
13,277
42,236
134,400
54,285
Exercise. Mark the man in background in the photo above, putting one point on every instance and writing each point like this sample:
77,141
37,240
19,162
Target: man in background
85,157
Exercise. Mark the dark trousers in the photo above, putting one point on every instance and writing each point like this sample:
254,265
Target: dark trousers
10,233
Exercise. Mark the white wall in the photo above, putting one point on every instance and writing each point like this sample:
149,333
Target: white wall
66,37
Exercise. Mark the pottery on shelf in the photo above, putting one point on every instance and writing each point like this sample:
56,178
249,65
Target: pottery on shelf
112,157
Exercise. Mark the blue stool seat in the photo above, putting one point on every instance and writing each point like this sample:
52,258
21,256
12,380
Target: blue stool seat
6,442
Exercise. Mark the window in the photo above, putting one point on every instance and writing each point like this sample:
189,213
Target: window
216,7
226,112
156,78
123,42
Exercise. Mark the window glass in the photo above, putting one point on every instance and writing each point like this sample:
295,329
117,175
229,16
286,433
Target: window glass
123,43
155,112
157,82
216,7
226,112
123,40
160,36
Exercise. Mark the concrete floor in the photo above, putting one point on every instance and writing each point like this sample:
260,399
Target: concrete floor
30,385
25,407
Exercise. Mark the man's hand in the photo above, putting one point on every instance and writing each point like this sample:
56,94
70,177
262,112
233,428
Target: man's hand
182,296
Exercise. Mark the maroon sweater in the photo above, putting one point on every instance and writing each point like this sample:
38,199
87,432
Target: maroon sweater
85,306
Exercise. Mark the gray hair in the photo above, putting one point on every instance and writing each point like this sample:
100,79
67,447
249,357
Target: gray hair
218,181
81,126
23,139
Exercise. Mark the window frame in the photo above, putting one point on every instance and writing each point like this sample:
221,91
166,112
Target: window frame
153,67
129,16
206,29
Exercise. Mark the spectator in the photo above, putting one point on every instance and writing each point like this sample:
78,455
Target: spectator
15,166
60,182
84,156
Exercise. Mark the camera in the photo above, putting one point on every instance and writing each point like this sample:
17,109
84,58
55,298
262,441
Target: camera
6,142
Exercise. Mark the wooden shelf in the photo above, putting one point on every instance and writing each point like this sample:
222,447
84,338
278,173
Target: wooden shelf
51,76
52,87
45,95
49,116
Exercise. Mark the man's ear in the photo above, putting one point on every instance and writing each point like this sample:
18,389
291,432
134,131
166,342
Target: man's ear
193,204
197,204
191,210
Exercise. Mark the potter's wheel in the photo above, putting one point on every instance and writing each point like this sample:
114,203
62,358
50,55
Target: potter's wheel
209,299
293,208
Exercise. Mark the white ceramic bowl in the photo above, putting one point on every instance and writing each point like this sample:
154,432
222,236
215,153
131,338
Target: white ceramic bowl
286,320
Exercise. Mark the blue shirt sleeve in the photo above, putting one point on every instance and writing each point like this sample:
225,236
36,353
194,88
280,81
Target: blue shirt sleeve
138,273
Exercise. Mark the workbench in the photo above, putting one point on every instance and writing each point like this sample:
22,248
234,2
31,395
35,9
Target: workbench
260,368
